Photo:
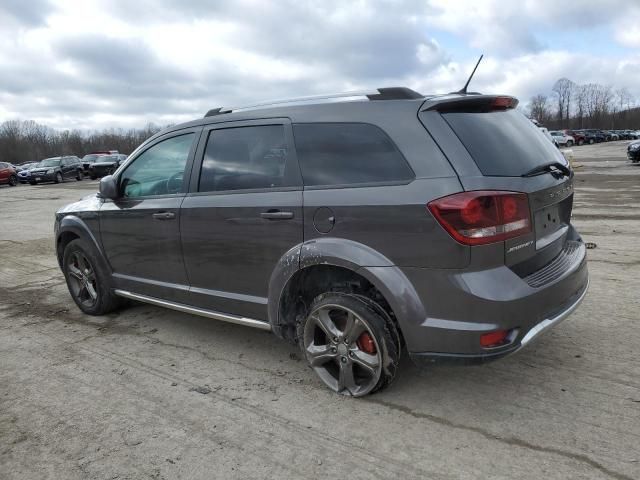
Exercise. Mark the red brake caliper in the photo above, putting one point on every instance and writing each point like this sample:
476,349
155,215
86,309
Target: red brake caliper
366,344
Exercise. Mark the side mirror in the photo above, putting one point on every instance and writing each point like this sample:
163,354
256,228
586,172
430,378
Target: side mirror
109,187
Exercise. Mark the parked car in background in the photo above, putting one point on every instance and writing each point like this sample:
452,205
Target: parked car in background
562,138
622,135
550,137
632,134
356,229
106,165
611,135
24,171
8,174
593,136
56,169
633,151
90,158
578,137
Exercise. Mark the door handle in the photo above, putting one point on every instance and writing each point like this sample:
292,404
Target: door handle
164,216
276,215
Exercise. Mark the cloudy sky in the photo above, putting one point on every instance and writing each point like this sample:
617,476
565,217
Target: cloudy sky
122,63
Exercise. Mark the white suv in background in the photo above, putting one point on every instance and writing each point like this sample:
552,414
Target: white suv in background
562,139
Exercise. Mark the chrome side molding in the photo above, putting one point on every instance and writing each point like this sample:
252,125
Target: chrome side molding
225,317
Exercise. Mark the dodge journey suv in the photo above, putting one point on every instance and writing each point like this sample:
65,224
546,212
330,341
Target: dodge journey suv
357,227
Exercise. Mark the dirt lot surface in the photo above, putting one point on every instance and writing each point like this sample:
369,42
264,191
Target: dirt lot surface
151,393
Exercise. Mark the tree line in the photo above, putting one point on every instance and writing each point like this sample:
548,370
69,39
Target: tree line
28,141
592,105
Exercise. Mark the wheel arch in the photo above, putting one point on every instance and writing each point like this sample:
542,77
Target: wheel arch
70,228
340,265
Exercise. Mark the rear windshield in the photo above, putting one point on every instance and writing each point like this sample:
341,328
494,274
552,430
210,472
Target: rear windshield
503,143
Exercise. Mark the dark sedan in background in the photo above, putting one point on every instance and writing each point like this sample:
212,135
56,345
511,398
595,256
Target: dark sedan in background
24,171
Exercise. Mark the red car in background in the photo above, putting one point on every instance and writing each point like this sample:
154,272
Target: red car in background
577,136
8,174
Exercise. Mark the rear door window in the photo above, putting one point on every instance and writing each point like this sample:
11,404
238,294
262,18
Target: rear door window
333,154
246,158
503,143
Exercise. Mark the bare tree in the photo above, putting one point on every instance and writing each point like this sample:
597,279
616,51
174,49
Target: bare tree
563,90
24,141
539,108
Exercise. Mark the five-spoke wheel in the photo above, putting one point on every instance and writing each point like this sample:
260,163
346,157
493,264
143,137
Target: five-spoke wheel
82,279
349,344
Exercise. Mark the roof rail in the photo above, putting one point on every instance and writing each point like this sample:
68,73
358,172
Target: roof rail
388,93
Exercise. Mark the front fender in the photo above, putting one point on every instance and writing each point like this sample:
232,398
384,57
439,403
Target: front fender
78,226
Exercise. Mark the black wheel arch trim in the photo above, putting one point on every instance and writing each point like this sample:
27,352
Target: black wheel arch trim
389,279
75,225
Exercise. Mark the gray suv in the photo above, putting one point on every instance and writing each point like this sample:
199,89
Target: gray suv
356,226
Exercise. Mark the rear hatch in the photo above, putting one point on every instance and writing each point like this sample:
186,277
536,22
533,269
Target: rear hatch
494,147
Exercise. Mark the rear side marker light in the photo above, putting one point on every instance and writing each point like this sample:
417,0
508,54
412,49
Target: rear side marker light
483,217
494,339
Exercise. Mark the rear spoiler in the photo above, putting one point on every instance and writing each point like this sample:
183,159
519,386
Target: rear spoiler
470,103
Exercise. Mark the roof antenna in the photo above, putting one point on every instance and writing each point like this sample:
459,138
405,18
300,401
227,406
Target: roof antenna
463,91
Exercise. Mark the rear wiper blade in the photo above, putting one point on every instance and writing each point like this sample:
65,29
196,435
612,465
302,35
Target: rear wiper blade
548,167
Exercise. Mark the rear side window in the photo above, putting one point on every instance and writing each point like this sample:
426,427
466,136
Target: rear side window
348,153
503,143
244,158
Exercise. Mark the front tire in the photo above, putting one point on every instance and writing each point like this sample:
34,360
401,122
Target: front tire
591,141
13,181
569,144
59,178
351,344
88,279
79,175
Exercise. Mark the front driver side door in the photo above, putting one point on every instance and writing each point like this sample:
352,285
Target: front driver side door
141,230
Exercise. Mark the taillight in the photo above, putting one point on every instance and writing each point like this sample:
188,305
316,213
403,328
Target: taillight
481,217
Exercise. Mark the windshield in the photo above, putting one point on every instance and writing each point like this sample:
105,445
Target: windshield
50,162
91,157
503,143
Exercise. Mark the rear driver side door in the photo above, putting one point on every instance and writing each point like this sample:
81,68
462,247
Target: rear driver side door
242,214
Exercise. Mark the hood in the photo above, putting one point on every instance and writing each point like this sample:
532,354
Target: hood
89,203
102,164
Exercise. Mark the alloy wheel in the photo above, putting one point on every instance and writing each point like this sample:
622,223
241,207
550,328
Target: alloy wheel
342,349
82,279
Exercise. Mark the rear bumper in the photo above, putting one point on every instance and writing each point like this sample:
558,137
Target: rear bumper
462,306
424,359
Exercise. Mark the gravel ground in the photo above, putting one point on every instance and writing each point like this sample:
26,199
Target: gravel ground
152,393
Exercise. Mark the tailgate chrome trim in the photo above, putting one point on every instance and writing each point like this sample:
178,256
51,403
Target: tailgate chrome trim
225,317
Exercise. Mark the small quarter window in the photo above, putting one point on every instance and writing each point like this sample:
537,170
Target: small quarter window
348,153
